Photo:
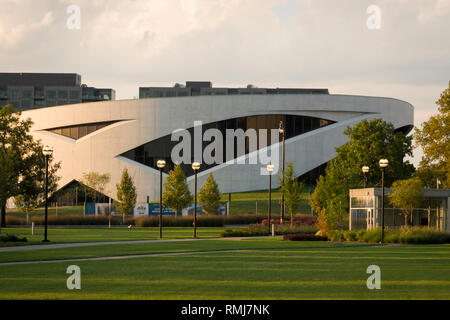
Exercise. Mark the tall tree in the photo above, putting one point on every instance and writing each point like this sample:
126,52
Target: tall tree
407,195
176,193
126,194
22,164
96,183
209,196
292,190
369,141
434,138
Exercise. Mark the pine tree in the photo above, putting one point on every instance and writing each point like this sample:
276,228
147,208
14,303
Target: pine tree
209,196
176,195
292,190
126,194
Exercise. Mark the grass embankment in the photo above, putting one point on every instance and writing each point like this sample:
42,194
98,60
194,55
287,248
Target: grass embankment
245,202
272,269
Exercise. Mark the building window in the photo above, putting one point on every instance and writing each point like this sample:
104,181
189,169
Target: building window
161,148
74,94
79,131
62,94
14,94
27,103
50,94
26,94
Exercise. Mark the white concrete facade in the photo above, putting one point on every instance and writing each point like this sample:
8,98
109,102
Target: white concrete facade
143,120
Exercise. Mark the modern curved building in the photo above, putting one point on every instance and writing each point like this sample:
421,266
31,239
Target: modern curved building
107,137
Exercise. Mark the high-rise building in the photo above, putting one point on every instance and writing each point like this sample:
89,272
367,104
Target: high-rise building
37,90
205,88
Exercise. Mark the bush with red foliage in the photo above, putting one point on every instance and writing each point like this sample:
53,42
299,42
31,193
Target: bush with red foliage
298,221
304,237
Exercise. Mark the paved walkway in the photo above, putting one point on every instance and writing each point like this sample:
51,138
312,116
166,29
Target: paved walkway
121,257
104,243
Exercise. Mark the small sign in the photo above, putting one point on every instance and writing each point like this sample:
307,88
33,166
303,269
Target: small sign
141,209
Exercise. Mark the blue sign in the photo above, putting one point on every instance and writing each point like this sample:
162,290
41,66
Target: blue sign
89,208
153,210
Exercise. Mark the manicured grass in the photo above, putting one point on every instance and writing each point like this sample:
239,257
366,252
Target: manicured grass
272,269
65,235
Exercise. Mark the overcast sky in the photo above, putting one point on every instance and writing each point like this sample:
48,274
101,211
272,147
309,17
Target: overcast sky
124,44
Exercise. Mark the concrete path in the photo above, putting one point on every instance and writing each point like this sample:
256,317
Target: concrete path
104,243
121,257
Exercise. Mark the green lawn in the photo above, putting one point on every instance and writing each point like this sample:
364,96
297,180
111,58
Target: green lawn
65,235
270,269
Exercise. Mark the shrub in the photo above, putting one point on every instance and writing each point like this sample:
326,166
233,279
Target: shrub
285,228
82,220
243,233
261,230
296,221
303,237
15,221
202,221
12,238
405,235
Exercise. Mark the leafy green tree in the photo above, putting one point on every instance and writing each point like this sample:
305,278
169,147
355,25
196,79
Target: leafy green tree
126,194
292,190
406,195
369,141
176,195
434,138
96,183
26,204
209,196
22,164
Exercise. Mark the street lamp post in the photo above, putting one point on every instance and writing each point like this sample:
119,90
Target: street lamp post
365,170
270,168
383,164
281,131
195,167
160,164
47,151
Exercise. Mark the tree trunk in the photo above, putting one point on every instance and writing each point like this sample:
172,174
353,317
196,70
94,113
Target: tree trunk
3,214
406,220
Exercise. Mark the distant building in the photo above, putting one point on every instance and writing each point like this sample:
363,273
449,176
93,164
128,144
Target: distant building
38,90
365,210
107,137
205,88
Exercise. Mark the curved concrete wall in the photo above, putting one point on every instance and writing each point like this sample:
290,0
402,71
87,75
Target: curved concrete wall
144,120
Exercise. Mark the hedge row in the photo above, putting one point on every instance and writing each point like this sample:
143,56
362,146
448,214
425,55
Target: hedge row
304,237
148,221
255,230
202,221
77,220
411,235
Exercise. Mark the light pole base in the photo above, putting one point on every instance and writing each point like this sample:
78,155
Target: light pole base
45,241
